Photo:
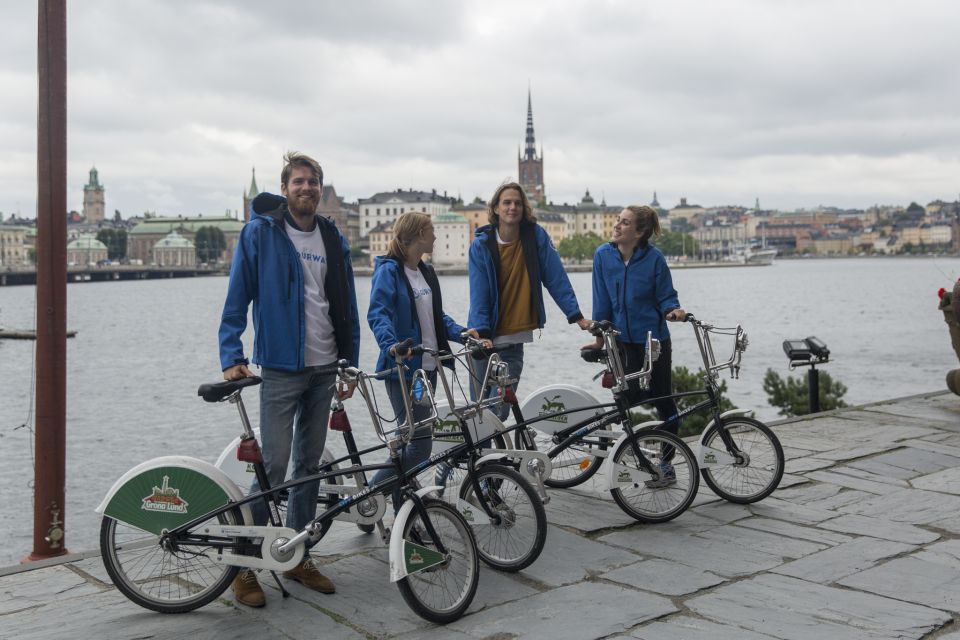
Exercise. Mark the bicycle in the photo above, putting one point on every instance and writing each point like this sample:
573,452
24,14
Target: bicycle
498,501
174,531
739,457
638,475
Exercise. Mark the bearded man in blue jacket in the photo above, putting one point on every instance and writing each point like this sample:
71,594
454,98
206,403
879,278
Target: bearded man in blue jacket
294,266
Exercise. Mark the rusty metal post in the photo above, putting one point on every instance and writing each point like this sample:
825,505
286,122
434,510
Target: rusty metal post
51,398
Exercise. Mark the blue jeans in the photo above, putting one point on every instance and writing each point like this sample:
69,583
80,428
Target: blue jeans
294,408
420,446
511,354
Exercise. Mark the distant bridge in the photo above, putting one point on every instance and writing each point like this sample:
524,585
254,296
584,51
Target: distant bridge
14,276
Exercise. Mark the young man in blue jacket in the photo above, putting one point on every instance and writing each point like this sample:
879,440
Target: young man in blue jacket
294,266
510,259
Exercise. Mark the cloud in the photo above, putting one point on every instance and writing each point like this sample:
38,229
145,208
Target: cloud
798,103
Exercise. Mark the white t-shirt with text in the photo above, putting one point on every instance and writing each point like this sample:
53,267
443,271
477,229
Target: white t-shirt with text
320,346
423,301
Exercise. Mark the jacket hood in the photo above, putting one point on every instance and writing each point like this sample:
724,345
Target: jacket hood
384,260
268,204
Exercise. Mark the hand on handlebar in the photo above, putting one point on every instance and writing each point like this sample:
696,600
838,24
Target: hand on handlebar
584,324
402,349
677,315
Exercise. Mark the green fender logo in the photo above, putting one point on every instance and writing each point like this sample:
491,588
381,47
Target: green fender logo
624,476
443,428
417,558
553,405
710,457
166,499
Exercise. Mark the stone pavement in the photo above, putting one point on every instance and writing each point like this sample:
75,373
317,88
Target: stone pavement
862,540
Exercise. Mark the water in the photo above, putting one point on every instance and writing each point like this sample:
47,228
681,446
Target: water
143,348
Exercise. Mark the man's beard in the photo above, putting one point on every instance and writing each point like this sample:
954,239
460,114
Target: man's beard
303,206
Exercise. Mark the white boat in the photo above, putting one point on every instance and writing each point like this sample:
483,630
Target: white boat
753,256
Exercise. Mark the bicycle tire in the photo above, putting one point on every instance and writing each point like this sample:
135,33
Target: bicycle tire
160,579
509,545
443,593
745,484
658,504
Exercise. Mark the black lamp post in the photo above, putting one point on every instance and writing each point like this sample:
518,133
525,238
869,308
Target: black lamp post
808,352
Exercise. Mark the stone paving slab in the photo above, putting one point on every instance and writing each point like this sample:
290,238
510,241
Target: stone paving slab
758,540
664,577
947,444
852,453
843,560
851,482
913,580
919,459
585,513
853,471
581,558
845,497
944,415
585,610
790,530
44,586
795,609
914,506
688,628
880,528
773,507
946,481
807,463
877,467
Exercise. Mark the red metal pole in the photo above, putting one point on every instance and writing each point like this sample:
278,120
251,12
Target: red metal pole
51,398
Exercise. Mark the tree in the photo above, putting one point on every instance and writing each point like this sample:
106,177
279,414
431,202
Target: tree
210,244
116,216
579,246
792,394
116,242
684,380
675,243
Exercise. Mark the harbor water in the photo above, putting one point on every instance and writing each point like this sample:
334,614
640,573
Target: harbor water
143,347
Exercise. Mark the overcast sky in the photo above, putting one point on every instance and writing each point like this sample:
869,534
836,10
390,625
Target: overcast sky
795,103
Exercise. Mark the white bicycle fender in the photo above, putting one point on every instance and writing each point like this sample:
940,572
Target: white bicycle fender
398,566
612,472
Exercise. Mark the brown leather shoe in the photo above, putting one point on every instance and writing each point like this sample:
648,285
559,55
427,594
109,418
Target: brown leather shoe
247,590
307,574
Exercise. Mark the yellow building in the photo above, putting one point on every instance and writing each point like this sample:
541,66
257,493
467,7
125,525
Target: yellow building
13,246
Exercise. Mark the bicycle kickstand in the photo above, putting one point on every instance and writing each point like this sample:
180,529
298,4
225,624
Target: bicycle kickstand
283,590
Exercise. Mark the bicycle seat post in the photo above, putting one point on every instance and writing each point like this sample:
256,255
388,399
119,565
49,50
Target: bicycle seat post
244,420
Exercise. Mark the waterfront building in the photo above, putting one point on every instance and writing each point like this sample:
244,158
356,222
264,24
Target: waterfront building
554,224
685,212
529,164
453,240
379,240
85,251
142,238
476,214
387,206
173,250
94,204
13,246
588,216
720,237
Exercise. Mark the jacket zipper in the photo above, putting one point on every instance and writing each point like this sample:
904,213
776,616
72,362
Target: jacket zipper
626,313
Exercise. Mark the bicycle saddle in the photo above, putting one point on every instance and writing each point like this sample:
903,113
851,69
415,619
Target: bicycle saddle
217,391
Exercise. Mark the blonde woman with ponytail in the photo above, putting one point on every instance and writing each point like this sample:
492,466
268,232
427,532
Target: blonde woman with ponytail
405,302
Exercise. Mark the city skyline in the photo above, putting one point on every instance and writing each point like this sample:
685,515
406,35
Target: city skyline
797,104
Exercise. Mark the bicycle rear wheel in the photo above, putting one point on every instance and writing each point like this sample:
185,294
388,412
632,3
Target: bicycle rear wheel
449,474
164,578
516,537
652,501
758,474
442,593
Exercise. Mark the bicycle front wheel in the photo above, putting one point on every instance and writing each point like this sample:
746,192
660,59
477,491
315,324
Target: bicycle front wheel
657,501
449,474
442,593
761,468
514,538
171,578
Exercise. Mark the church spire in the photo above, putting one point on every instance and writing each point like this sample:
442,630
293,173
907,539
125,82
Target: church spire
530,152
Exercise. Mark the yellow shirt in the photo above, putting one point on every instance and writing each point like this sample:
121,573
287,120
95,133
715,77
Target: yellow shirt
516,309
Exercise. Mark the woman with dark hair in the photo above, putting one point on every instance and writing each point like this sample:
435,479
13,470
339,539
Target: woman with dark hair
632,288
510,259
405,303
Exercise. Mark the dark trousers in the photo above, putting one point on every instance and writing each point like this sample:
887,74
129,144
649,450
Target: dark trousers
661,381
